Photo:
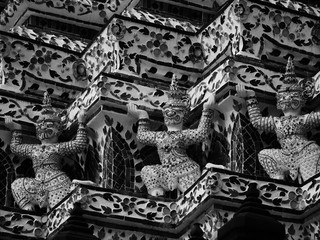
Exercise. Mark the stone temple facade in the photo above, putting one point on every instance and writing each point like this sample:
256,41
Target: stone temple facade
101,55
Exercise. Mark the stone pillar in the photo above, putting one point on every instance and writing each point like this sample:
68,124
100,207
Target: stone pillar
196,232
252,221
75,227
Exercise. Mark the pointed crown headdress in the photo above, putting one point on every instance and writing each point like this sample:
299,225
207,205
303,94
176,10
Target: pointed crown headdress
48,114
177,97
290,81
292,84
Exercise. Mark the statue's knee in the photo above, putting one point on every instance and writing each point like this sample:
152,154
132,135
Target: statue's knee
16,183
149,171
265,157
264,153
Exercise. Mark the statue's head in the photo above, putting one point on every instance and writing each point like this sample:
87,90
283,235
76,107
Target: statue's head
177,105
49,124
293,93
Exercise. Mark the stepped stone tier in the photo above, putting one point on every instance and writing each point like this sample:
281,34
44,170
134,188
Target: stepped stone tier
102,55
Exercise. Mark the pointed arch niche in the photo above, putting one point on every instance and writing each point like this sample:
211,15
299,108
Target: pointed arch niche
245,146
118,165
6,178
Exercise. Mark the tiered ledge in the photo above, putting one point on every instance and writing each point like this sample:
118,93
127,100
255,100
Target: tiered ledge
220,188
217,189
143,48
137,43
22,223
89,12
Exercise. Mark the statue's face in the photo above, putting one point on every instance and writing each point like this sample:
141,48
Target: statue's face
289,101
48,130
173,116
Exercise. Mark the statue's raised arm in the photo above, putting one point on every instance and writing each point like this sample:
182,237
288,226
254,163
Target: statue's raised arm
16,145
259,122
199,134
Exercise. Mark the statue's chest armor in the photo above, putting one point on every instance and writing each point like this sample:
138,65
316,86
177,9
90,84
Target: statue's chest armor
286,126
168,141
45,154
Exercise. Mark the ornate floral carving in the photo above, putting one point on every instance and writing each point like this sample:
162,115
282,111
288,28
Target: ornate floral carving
308,88
118,29
23,224
214,183
196,53
5,47
241,10
298,199
80,70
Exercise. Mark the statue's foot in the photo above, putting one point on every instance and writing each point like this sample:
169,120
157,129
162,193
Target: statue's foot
85,182
28,207
172,183
156,192
211,165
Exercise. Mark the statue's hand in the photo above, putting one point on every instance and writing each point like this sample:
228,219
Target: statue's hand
82,116
135,112
9,123
210,103
244,93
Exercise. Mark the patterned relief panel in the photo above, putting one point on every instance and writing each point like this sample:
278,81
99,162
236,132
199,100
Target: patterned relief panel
147,51
101,55
161,21
115,89
283,29
210,224
22,224
307,231
150,51
296,6
221,34
213,186
103,203
56,40
30,69
212,82
81,9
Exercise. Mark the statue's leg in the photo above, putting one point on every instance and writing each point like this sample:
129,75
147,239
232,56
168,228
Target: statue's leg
58,188
270,160
188,173
24,191
84,182
186,181
153,176
308,161
171,181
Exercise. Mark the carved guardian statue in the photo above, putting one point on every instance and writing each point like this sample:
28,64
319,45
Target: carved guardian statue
177,170
50,184
298,158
